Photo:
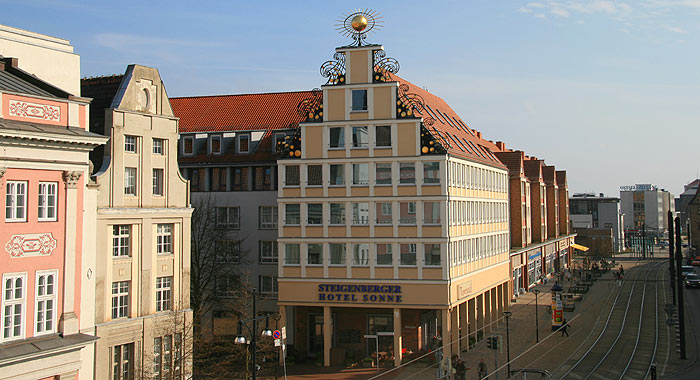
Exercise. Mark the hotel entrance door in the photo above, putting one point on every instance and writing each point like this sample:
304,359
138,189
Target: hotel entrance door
316,334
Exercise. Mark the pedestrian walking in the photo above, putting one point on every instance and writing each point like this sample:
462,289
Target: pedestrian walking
564,327
460,370
622,270
482,369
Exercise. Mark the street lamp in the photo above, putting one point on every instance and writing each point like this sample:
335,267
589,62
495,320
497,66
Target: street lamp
537,319
241,339
507,314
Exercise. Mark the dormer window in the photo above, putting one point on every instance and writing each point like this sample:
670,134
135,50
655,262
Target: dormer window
243,143
359,100
215,144
188,145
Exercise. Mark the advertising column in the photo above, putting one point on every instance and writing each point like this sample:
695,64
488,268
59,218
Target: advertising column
557,307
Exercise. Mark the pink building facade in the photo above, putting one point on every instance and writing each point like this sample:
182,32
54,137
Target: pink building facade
44,195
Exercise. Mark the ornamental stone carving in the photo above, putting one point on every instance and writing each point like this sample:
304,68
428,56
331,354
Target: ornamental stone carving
2,172
71,179
26,245
34,110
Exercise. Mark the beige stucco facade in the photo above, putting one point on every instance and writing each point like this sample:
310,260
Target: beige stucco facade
143,233
419,241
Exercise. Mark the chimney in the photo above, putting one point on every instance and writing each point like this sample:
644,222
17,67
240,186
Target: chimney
500,145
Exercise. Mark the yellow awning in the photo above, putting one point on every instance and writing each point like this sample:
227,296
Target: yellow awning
579,247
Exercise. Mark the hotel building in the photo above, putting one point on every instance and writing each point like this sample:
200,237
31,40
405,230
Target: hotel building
142,269
393,218
46,229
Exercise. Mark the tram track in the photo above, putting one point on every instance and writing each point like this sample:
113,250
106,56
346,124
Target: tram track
606,357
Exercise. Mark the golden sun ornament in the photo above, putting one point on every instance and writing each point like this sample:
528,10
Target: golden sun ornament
358,23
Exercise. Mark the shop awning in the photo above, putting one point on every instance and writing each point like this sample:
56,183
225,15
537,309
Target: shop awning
580,247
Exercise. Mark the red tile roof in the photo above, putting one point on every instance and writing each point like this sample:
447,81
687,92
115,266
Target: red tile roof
238,112
462,140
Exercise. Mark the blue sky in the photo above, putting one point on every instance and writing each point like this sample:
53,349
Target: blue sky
608,90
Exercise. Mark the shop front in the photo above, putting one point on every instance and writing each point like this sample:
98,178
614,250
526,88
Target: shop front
517,274
534,267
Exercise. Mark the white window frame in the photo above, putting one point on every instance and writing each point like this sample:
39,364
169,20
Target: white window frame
124,232
341,139
21,301
121,310
158,182
158,146
43,298
48,199
164,238
267,252
130,181
270,293
11,204
228,224
131,146
164,293
122,363
263,222
184,145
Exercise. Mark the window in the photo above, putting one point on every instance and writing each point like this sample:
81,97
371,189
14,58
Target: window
13,303
337,137
337,174
240,179
408,254
408,212
384,213
267,252
292,214
359,100
360,138
228,217
215,144
383,138
263,178
337,251
291,254
218,179
291,177
431,172
314,254
45,310
121,240
163,366
360,174
383,174
164,293
16,201
432,254
226,285
384,253
123,362
47,200
267,219
407,173
337,213
196,179
267,286
360,254
228,251
243,143
431,212
188,145
158,146
157,181
360,213
120,299
130,181
314,175
315,213
130,144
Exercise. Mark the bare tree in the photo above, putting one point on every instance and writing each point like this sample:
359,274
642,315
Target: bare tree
168,352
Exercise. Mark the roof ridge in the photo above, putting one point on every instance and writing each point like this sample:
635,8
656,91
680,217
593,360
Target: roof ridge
232,95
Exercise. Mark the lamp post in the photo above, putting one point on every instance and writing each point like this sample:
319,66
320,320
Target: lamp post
241,339
507,314
537,319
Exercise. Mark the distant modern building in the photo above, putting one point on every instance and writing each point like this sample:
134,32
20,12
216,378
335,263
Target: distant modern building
646,205
683,201
588,210
694,222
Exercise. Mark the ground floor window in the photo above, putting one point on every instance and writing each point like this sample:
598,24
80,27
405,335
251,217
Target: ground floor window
123,362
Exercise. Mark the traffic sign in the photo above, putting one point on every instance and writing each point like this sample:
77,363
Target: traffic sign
276,334
278,342
284,333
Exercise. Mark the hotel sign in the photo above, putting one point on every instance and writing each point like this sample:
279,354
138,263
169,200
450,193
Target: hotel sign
639,187
359,293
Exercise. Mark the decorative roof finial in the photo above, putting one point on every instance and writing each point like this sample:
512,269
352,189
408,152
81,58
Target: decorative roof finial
358,23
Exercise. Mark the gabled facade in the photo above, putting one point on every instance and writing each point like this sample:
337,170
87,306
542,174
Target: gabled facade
46,260
142,269
538,199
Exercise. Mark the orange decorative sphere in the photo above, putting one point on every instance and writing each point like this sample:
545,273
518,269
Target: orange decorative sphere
297,153
425,149
359,23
